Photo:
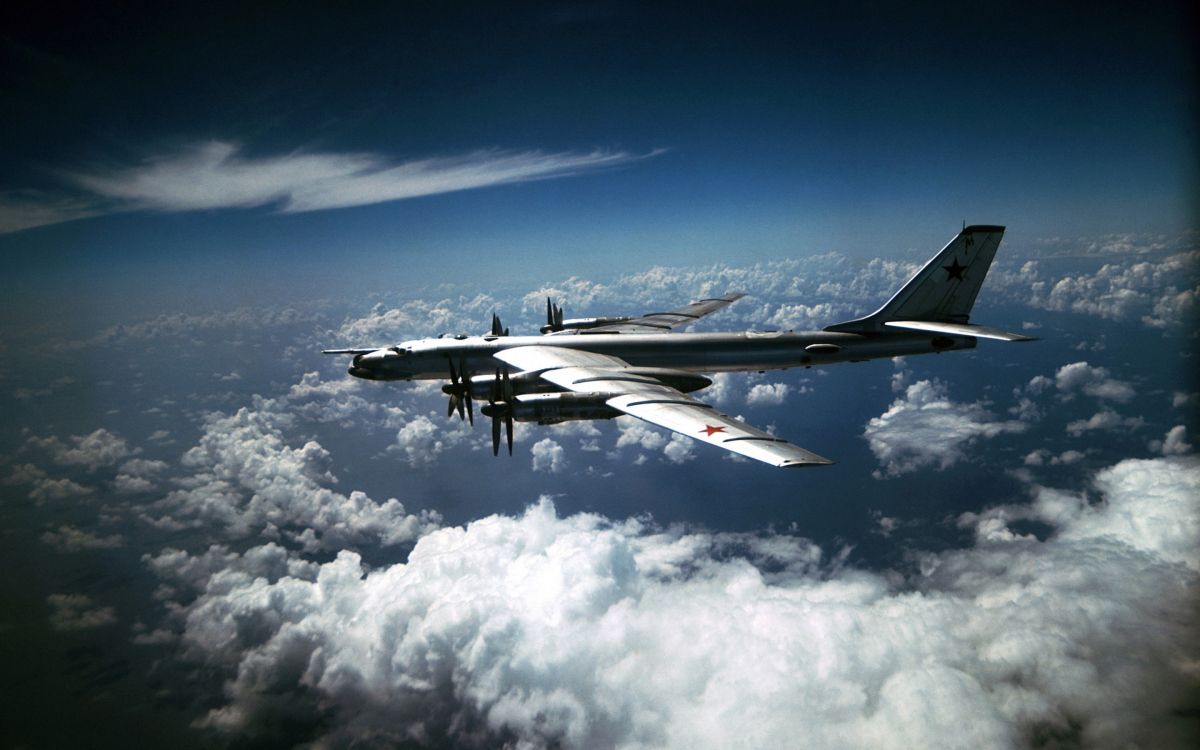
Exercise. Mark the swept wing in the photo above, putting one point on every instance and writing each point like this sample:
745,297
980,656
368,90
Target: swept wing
639,394
665,321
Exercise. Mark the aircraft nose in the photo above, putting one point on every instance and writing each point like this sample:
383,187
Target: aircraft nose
376,365
360,366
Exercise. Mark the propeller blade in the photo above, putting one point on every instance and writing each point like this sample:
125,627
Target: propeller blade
466,392
459,391
508,429
495,436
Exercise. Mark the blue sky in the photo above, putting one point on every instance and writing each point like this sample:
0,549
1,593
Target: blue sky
212,533
781,132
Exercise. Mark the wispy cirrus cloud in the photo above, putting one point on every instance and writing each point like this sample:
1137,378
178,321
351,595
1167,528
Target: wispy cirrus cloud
218,174
26,209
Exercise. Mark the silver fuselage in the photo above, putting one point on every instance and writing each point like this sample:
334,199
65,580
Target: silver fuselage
429,359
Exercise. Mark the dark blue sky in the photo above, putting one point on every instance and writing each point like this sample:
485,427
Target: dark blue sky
866,128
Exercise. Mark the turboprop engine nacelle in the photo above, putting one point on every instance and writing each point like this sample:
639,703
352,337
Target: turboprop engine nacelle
581,324
552,408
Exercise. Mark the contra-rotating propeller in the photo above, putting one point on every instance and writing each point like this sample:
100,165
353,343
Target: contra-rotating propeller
459,391
499,407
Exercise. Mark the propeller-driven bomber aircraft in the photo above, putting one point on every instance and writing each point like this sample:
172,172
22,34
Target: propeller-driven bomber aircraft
600,368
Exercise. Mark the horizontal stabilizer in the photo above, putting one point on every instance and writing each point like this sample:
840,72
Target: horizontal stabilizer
348,351
959,329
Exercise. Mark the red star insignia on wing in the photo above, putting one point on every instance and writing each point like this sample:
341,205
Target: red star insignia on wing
709,429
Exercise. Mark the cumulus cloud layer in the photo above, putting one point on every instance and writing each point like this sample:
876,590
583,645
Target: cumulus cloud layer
247,480
548,456
542,631
99,448
1094,381
1160,292
925,428
43,488
767,394
78,612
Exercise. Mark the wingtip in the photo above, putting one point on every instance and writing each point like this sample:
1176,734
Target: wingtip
805,464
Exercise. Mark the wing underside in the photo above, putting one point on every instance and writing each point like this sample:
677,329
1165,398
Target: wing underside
647,398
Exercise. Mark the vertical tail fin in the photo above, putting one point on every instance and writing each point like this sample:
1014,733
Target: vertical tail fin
944,290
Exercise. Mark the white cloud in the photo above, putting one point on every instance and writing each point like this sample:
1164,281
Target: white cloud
721,389
1120,244
421,441
1106,420
217,174
76,612
187,575
548,456
142,467
1174,444
1180,399
635,432
801,317
767,394
43,487
28,209
541,631
248,481
125,484
574,292
1094,381
137,475
679,449
1039,383
576,428
1025,409
341,401
187,325
72,539
1149,505
416,317
925,428
100,448
1041,457
1161,292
